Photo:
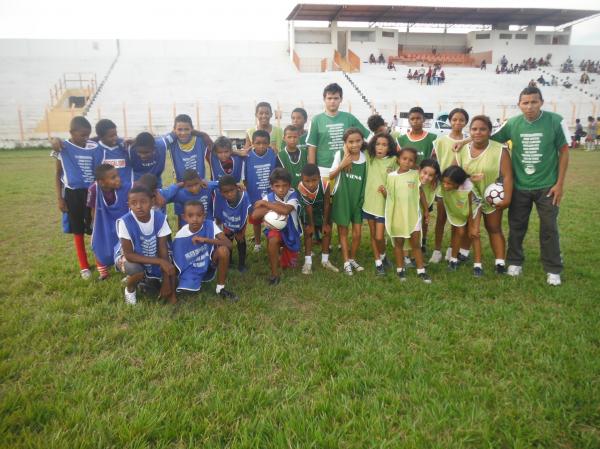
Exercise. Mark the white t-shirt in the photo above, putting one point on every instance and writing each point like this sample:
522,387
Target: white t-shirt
146,228
185,231
338,158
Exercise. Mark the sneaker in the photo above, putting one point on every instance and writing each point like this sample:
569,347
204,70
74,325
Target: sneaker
477,272
514,270
329,266
130,298
386,262
355,265
274,280
401,275
380,270
307,268
452,266
86,274
256,248
408,262
436,257
424,277
242,268
230,296
348,269
462,258
500,269
553,279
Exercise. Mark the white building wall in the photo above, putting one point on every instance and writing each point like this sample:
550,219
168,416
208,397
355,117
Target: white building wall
57,48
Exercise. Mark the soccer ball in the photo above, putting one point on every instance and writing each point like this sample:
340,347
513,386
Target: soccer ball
275,221
494,193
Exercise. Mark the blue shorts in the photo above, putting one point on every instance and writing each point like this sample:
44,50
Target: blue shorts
368,216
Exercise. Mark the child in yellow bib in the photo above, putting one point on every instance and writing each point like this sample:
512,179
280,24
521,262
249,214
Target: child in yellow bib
457,197
405,201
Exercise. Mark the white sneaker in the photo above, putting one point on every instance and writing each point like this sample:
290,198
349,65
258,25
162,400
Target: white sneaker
86,274
514,270
256,248
307,268
355,266
448,254
348,269
329,266
553,279
130,298
436,257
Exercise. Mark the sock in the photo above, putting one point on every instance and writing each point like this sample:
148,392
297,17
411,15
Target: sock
241,246
454,259
420,270
500,262
399,270
477,265
219,288
464,252
378,263
102,269
324,257
80,249
436,252
382,257
308,260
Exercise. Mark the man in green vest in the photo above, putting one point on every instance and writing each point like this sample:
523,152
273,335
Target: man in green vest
540,157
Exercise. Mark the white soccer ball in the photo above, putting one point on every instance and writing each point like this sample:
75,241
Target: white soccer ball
275,221
494,193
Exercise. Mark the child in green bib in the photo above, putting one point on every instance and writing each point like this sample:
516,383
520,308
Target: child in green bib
263,113
443,151
299,118
485,161
348,174
292,157
457,195
404,204
314,214
381,160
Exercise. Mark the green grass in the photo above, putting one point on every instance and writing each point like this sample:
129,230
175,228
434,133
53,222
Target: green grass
317,362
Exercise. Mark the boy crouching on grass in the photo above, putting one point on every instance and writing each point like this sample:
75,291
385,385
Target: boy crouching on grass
143,252
284,244
199,249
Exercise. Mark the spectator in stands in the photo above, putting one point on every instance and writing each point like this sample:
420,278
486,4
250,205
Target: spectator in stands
497,70
429,75
483,65
391,65
442,76
585,78
421,74
591,134
567,84
394,122
372,59
504,63
542,82
532,83
496,125
409,74
554,81
381,59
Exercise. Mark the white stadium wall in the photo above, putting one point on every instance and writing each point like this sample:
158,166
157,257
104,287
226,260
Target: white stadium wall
57,48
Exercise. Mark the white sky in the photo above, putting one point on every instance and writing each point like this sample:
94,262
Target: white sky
209,20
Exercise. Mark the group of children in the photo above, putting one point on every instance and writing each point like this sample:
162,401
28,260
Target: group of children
336,172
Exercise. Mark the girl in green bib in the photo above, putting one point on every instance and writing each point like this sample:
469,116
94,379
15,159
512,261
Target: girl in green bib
404,205
457,196
485,161
429,176
443,151
348,175
381,161
263,113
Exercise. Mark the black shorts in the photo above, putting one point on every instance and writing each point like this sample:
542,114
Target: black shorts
80,216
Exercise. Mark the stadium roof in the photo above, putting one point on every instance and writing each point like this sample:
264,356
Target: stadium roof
436,14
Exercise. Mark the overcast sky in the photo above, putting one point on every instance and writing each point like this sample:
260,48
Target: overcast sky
208,20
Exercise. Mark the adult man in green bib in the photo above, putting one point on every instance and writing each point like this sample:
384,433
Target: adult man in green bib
540,157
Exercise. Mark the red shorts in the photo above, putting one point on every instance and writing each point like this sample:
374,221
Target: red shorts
287,257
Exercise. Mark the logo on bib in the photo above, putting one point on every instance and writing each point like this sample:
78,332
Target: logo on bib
529,169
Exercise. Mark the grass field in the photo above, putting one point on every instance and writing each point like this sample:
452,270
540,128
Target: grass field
316,362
